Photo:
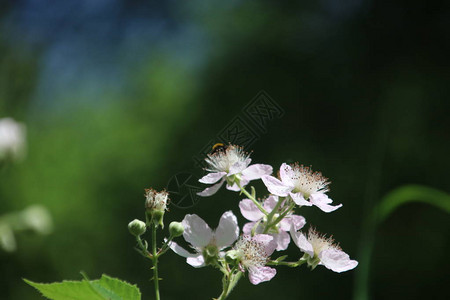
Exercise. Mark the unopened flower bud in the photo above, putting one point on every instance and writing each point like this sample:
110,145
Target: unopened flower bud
176,229
210,254
137,227
233,257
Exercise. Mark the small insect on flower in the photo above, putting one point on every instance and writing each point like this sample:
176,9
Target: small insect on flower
218,147
230,164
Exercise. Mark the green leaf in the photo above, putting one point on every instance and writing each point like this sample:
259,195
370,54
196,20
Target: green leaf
411,193
105,288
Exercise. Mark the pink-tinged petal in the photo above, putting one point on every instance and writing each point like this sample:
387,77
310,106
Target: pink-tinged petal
250,211
228,230
323,202
275,186
297,221
196,231
286,174
257,275
282,240
239,166
299,200
270,202
337,260
197,261
267,241
256,171
180,250
212,189
302,242
248,227
212,177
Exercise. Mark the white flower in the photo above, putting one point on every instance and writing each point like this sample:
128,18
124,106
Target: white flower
12,139
254,253
231,165
156,200
322,251
301,183
280,236
206,243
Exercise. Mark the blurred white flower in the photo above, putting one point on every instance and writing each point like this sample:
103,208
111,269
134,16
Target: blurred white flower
7,239
12,139
38,219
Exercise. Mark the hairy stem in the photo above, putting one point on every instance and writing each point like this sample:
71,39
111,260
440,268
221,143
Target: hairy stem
244,191
155,262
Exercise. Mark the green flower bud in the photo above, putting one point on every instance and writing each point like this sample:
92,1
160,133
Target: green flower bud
157,217
176,229
137,227
233,257
210,254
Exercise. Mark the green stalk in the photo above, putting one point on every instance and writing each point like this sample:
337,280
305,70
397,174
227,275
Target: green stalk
155,262
272,213
280,217
244,191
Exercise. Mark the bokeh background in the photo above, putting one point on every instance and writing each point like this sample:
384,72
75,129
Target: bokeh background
119,96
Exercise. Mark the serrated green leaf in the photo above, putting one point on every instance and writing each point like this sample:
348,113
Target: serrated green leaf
122,289
105,288
66,290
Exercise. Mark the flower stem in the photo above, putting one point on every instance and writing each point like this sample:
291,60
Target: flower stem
272,213
230,279
244,191
155,262
281,217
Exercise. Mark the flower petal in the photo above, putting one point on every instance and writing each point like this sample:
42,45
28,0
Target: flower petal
196,231
275,186
286,174
180,250
297,221
257,275
256,171
228,230
299,200
212,189
250,211
282,240
212,177
197,261
322,201
267,241
270,202
239,166
248,227
337,260
302,242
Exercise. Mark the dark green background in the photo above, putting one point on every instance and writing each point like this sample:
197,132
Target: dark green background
119,97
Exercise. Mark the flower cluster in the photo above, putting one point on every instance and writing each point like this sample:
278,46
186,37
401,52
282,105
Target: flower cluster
273,221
